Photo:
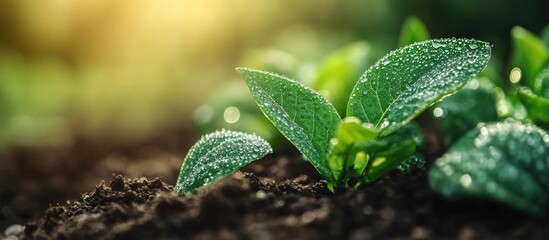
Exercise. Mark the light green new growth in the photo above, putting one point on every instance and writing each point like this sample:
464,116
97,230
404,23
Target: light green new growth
217,155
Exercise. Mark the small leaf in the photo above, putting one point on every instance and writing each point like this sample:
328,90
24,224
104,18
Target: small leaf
529,53
217,155
507,162
389,159
407,81
388,152
302,115
536,106
413,30
342,158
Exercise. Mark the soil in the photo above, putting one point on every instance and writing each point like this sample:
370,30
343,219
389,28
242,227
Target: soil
279,198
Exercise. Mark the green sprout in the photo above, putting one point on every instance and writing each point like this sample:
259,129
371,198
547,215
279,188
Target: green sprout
372,140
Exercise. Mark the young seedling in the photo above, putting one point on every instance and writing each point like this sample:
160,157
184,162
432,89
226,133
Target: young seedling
372,140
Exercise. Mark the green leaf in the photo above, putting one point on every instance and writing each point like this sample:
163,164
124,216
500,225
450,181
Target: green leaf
506,162
536,106
407,81
338,73
343,159
413,30
529,53
461,112
302,115
541,83
358,153
388,152
217,155
416,161
414,132
389,159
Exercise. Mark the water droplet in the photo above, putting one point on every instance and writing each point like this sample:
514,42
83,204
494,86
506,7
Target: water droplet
465,180
474,84
473,46
484,131
438,44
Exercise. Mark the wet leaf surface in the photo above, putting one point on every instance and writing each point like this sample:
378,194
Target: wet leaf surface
408,80
507,162
217,155
302,115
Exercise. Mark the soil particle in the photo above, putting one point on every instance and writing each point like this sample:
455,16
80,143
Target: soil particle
252,206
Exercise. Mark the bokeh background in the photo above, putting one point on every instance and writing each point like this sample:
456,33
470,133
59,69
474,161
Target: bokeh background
94,87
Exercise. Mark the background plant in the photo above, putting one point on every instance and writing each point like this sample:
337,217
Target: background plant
502,160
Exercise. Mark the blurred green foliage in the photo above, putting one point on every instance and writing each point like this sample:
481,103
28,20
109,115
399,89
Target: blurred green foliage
126,70
473,104
334,77
413,30
529,54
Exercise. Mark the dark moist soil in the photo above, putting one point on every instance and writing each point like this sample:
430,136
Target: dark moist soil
279,199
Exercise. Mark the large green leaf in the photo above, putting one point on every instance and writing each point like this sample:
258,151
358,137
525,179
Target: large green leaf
217,155
407,81
536,106
413,30
507,162
529,53
302,115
